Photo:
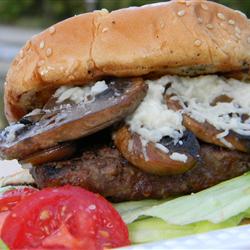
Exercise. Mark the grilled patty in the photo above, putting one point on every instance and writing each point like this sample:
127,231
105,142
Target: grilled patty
102,169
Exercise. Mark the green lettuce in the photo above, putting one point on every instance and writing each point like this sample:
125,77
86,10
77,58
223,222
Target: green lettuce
133,210
154,229
6,188
3,246
10,187
221,206
215,204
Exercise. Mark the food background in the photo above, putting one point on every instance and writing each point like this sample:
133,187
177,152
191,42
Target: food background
21,19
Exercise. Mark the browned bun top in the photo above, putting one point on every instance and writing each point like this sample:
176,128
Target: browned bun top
178,37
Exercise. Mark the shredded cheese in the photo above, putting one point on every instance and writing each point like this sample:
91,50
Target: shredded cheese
196,95
162,148
153,120
178,157
78,95
130,145
10,132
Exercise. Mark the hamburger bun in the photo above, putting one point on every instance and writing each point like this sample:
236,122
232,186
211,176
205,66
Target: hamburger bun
179,37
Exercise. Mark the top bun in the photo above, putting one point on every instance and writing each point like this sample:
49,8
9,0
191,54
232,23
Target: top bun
178,37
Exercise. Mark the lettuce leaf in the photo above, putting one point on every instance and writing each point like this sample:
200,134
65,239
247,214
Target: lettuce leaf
3,245
216,204
11,187
133,210
154,229
6,188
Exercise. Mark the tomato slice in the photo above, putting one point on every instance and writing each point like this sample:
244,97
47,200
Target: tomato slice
12,197
3,216
64,218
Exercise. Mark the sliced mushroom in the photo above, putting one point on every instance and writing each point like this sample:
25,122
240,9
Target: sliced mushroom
65,122
157,158
56,153
207,132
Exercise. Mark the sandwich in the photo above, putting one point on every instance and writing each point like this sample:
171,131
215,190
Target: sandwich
144,102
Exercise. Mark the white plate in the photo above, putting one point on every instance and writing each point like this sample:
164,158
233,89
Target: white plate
235,238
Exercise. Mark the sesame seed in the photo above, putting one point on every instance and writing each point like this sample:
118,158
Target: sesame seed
221,16
21,53
237,30
50,68
52,30
48,52
181,13
209,26
204,6
248,39
104,10
241,13
41,62
44,72
197,42
28,44
238,35
42,45
105,30
222,25
162,24
234,38
200,20
231,22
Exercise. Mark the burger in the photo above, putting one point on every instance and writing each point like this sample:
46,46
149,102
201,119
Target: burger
143,102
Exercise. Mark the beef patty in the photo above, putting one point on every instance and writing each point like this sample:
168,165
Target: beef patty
102,169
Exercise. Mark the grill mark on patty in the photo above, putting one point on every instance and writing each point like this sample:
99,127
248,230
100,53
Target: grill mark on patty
102,169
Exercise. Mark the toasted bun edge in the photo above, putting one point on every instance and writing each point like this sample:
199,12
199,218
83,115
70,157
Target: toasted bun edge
179,37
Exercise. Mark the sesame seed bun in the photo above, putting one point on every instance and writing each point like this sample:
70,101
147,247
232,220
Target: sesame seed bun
179,37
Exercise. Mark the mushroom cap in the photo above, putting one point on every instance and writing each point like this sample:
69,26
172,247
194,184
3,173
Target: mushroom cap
70,121
152,158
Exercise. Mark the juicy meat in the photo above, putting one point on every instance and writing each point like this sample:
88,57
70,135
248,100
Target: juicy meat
105,171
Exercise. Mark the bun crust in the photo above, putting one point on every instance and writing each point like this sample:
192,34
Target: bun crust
179,37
